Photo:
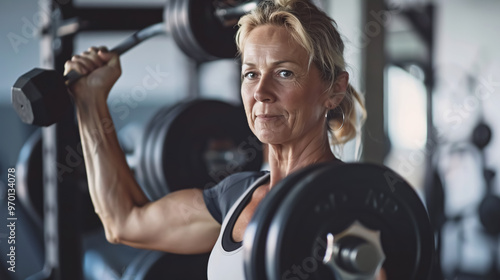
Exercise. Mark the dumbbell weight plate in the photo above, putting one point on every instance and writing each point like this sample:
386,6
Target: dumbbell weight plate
197,32
146,170
283,233
174,151
330,199
255,239
175,16
30,183
213,37
489,214
30,177
196,124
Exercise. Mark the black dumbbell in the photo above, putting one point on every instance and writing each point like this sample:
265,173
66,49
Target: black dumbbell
40,96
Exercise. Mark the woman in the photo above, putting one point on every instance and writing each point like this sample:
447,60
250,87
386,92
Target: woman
293,83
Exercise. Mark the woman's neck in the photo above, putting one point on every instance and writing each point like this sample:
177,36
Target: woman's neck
285,159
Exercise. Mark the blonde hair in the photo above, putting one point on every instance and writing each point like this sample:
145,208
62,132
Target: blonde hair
317,33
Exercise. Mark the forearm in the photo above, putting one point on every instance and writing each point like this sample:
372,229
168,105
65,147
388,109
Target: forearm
113,189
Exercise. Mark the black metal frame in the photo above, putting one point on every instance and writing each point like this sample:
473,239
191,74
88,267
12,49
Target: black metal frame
375,141
422,18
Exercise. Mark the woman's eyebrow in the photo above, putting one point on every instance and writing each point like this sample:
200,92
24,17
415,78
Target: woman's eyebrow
285,61
279,62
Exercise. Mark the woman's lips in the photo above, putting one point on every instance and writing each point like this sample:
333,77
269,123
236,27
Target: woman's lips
267,117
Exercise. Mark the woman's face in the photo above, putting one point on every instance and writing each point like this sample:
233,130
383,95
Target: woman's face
284,100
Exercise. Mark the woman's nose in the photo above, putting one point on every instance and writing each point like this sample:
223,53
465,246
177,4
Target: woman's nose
264,91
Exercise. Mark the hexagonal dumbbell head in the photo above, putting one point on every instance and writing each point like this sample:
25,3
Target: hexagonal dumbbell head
40,97
355,254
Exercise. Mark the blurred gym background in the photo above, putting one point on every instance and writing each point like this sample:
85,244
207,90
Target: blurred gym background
430,74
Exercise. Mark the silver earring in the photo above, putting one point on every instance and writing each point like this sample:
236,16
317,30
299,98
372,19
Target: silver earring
332,114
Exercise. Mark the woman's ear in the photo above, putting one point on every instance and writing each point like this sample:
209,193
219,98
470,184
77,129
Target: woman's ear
338,91
341,83
334,100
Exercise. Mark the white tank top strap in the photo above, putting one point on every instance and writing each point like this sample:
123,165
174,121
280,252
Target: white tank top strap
226,259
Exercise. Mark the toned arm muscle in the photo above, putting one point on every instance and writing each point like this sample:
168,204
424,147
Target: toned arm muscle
179,222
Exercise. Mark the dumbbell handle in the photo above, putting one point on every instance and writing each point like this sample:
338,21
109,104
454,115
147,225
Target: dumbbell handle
230,13
130,42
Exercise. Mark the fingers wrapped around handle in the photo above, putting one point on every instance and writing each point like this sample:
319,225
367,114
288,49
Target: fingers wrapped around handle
92,72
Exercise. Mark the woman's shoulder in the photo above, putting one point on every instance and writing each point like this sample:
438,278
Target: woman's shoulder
237,183
243,178
221,197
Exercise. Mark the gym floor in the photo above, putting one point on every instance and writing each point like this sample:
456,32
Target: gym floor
430,72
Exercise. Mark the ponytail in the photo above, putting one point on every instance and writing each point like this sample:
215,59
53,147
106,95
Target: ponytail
347,122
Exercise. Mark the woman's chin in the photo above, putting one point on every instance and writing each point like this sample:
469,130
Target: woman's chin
270,139
272,136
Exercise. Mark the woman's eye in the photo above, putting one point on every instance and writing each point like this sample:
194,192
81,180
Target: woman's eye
250,75
285,74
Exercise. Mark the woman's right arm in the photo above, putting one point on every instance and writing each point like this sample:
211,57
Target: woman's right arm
177,223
